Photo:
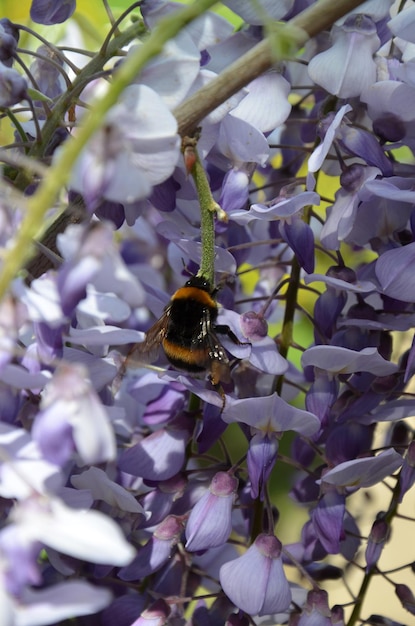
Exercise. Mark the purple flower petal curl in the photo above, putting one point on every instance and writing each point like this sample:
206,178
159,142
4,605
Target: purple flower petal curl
300,238
364,472
89,535
61,602
317,158
140,136
327,520
172,72
403,24
102,488
241,142
156,551
342,214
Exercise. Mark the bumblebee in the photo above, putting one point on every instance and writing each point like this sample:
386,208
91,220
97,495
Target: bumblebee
187,332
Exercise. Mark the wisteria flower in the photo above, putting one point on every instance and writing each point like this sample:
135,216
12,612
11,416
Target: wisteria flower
270,414
364,472
137,149
268,417
394,272
262,563
156,551
9,37
336,359
72,418
51,12
337,69
13,86
161,455
209,524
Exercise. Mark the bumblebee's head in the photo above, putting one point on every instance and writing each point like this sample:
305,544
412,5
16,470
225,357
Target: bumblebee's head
200,283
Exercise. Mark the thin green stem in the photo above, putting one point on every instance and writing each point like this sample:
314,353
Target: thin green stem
360,597
208,207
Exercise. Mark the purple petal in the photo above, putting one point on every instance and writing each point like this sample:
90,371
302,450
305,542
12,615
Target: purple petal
342,360
364,472
159,456
262,563
270,414
91,536
328,521
347,68
240,141
394,270
210,524
51,12
262,455
403,24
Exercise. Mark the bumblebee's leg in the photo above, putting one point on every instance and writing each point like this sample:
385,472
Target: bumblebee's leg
223,329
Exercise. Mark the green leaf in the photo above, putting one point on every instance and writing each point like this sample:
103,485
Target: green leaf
38,95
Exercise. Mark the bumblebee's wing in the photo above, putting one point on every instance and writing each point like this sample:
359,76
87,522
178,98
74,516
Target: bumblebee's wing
147,351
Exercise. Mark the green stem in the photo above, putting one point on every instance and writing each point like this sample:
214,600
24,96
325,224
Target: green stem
287,333
389,515
208,207
18,254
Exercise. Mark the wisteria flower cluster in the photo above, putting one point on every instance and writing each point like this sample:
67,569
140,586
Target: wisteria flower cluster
240,451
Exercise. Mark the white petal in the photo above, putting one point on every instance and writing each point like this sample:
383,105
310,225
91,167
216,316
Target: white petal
102,488
347,68
172,73
266,105
59,602
364,472
87,535
19,478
